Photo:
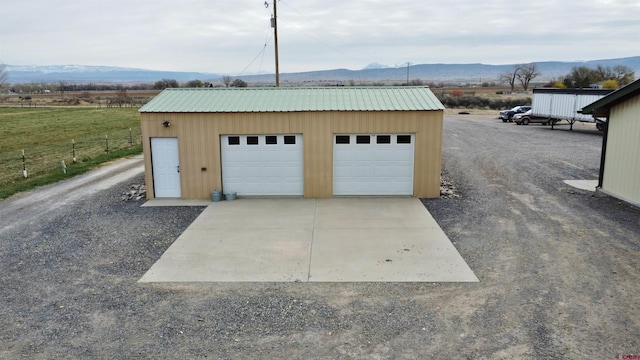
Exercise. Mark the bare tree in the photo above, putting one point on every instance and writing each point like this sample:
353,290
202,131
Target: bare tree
166,83
527,73
510,76
604,72
62,86
226,80
623,74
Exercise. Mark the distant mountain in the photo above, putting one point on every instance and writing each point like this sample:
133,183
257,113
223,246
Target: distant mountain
374,72
460,73
97,74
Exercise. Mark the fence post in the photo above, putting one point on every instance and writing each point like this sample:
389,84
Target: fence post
73,144
130,137
106,141
24,166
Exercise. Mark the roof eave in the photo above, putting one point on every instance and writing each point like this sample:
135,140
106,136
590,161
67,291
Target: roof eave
278,111
602,106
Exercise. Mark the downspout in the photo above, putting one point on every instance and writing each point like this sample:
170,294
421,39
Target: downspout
603,153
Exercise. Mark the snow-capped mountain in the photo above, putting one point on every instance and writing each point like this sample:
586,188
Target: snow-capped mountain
88,73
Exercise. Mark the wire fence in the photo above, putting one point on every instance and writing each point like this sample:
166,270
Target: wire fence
36,159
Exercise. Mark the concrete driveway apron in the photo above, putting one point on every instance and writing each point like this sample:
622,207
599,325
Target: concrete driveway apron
313,240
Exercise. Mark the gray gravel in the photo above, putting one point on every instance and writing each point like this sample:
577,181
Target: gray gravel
559,274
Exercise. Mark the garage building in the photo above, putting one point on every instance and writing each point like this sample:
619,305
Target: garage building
620,161
308,142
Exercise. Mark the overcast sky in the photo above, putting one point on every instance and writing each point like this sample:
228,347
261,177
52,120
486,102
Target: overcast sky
229,36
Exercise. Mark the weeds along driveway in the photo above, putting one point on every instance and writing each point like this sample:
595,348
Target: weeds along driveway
558,270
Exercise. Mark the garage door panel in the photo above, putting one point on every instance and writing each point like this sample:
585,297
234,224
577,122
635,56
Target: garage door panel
265,168
376,168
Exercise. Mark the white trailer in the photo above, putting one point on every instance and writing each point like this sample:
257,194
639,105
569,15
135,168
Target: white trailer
563,104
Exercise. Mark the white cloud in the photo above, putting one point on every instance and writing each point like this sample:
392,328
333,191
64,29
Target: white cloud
225,36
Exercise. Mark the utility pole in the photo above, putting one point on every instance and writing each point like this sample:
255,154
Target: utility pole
408,73
274,24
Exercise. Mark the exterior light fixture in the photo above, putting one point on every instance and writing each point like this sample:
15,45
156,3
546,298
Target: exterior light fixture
166,124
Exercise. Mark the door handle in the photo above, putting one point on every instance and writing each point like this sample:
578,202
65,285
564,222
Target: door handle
178,168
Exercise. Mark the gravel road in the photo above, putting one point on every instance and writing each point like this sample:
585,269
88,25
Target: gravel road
559,272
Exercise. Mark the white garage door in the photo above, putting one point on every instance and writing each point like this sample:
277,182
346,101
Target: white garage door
380,164
262,164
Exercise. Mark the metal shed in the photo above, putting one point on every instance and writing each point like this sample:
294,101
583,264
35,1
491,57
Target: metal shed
620,160
309,142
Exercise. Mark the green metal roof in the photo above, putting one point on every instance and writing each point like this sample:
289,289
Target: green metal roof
293,99
613,98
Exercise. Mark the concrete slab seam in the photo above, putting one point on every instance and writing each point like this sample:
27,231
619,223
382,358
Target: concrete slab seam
313,229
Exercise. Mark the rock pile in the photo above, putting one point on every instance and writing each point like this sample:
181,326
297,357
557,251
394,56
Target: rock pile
136,193
447,190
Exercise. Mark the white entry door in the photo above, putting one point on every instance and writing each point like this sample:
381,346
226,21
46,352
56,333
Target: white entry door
366,164
262,164
166,167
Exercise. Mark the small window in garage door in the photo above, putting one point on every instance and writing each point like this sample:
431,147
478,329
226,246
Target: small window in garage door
233,140
404,139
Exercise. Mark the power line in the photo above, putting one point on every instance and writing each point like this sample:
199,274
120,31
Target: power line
261,52
268,38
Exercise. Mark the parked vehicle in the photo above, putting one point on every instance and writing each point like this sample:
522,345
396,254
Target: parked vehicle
507,115
563,104
527,118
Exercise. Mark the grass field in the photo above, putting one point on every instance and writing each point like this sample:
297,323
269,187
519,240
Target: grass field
49,136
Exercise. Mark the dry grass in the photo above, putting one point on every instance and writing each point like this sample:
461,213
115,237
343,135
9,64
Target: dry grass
97,99
48,136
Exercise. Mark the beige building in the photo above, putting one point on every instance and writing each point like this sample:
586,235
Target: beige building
308,142
620,161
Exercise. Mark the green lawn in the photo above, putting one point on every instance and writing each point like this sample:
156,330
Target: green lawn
49,135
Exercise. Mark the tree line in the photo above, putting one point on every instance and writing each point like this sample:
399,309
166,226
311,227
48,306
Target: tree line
605,76
580,77
520,74
63,86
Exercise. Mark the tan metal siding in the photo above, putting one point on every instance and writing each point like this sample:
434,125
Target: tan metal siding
318,157
199,143
152,127
622,164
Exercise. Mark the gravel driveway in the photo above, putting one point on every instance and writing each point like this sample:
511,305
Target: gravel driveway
559,273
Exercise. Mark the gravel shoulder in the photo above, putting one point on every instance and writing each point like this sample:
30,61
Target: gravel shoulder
559,272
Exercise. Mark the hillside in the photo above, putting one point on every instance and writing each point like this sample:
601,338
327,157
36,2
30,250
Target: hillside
97,74
459,73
